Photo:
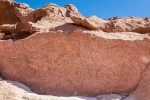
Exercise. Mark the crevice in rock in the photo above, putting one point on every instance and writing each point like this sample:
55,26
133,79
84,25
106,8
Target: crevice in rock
6,37
16,31
17,36
142,30
22,35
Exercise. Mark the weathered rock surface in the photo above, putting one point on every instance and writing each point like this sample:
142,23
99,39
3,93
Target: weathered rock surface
54,13
92,23
128,24
17,31
11,12
75,63
55,52
109,97
11,90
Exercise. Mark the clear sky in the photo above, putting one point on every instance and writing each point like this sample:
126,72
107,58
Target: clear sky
100,8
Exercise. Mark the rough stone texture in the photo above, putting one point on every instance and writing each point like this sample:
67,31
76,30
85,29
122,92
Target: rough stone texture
57,16
142,91
142,30
75,63
128,24
11,90
10,16
92,23
17,31
11,12
52,12
109,97
63,56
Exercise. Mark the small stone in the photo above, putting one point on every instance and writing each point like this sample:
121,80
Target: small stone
109,97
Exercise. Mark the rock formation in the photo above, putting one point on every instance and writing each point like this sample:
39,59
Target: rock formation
11,90
128,24
57,51
12,12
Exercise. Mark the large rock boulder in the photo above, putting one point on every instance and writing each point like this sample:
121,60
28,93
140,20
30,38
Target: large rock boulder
75,63
52,12
7,13
92,22
16,31
85,22
11,12
53,54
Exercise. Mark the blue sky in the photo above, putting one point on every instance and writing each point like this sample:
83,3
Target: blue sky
101,8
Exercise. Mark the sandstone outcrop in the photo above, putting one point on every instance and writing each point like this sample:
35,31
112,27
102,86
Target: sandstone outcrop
16,31
92,23
84,22
70,61
12,12
52,12
57,51
128,24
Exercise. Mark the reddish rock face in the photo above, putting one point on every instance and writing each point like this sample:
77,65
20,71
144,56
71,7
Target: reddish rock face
11,12
59,59
75,63
10,17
